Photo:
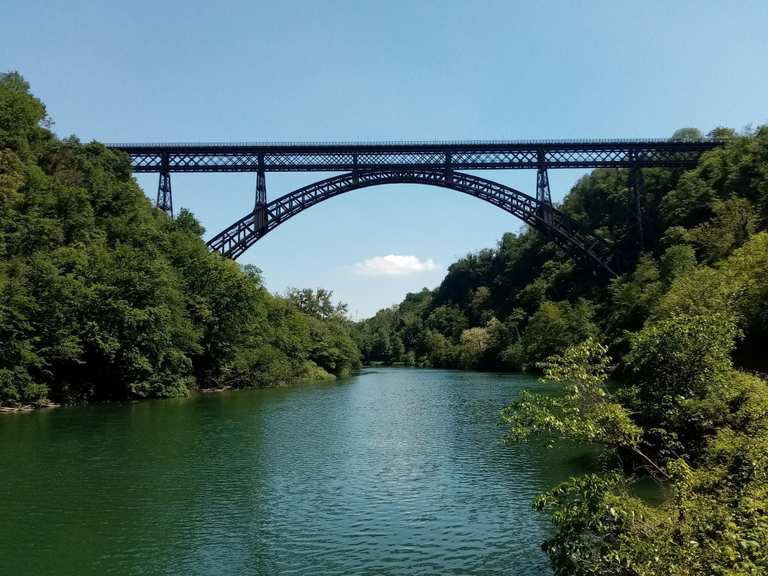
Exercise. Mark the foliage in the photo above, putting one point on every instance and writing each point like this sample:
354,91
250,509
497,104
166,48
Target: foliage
715,520
317,303
104,298
584,410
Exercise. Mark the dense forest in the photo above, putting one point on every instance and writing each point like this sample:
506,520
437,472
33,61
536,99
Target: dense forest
102,297
659,368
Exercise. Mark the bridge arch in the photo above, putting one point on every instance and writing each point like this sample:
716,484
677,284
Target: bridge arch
237,238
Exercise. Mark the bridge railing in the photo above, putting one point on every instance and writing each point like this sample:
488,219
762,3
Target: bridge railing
425,143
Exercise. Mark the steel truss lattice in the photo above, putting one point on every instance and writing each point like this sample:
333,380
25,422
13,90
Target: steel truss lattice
343,157
164,196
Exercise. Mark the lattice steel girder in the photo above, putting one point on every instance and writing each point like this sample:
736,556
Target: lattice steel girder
259,208
164,199
241,235
542,186
343,157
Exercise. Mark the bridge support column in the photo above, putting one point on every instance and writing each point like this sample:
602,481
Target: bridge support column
164,196
543,194
260,209
542,187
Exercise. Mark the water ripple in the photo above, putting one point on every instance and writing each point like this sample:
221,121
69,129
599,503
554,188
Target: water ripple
391,472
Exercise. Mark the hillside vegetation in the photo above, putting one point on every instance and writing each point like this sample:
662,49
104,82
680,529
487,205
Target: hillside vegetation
102,297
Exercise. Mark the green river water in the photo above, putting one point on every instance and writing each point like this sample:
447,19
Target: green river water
393,471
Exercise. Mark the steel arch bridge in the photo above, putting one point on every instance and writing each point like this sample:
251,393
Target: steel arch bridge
431,163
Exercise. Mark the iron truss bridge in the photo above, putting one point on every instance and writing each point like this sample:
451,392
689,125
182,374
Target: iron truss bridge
432,163
345,156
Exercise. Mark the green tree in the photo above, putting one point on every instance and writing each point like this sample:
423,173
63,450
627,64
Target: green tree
317,303
448,321
555,326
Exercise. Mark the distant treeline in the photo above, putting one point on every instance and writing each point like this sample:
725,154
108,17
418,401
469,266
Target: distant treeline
103,297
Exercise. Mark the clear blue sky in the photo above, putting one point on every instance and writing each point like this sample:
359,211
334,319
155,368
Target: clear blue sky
324,70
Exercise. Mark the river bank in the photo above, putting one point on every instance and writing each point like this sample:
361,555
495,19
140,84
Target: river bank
317,376
28,408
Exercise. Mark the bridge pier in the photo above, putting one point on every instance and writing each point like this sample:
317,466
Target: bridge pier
543,194
260,208
542,186
164,196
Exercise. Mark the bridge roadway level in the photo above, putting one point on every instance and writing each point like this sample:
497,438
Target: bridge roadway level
345,157
427,162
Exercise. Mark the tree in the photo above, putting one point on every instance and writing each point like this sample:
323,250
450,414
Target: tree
681,366
585,411
733,222
677,261
634,296
475,344
687,134
449,321
555,326
317,303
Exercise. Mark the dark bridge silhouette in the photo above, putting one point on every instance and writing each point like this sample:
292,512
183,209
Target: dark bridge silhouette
433,163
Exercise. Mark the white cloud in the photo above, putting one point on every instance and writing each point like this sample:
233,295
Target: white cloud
394,265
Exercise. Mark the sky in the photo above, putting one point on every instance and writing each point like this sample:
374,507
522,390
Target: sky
388,70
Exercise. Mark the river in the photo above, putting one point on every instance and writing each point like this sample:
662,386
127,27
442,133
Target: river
393,471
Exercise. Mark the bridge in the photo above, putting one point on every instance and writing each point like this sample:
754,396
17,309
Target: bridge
433,163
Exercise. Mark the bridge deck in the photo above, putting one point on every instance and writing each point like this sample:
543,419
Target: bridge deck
472,155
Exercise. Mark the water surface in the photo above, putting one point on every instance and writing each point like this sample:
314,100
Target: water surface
394,471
